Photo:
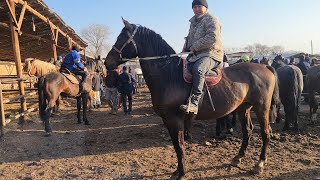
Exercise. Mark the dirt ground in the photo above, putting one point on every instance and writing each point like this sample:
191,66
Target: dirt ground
138,146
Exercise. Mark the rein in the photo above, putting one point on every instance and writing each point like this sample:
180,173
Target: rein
156,57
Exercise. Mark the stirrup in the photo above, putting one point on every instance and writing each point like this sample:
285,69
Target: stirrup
188,109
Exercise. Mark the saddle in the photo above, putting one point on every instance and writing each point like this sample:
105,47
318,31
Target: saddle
212,78
74,79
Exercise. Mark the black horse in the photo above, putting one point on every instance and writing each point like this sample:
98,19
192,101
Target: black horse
290,80
243,86
313,84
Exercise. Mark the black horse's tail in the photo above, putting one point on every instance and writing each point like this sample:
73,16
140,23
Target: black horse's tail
42,98
275,102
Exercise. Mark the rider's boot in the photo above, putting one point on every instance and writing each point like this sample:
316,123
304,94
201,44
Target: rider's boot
192,105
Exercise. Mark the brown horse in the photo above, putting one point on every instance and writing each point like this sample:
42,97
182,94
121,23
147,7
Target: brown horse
244,86
50,86
313,84
36,67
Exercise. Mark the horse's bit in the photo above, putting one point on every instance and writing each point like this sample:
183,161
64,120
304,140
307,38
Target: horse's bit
128,42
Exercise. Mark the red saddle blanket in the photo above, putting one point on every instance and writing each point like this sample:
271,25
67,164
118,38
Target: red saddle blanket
210,80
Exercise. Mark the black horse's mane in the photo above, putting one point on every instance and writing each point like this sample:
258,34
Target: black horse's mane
166,70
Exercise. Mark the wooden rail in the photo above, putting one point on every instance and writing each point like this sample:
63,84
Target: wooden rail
3,101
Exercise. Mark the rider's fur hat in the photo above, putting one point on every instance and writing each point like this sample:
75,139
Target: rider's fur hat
200,2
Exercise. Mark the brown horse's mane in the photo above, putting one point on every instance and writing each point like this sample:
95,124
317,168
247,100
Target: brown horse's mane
41,67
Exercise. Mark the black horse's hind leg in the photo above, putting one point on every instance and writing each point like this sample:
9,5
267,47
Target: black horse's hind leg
288,116
278,119
234,118
247,127
85,107
79,110
313,103
295,119
175,127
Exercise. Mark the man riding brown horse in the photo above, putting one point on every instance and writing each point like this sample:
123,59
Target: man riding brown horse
73,64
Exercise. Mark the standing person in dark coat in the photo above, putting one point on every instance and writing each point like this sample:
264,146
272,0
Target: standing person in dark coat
111,90
125,88
304,64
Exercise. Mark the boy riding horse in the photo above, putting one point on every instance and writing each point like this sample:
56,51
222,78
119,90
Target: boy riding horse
73,64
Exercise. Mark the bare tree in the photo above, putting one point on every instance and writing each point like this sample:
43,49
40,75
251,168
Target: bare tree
277,49
264,50
96,36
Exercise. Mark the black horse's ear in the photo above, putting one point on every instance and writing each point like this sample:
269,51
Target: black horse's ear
127,25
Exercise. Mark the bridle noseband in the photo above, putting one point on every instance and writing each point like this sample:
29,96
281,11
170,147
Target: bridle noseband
128,42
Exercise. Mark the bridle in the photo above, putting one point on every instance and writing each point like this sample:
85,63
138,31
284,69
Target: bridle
131,36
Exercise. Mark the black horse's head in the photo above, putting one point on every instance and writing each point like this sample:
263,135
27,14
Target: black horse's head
277,61
266,61
125,46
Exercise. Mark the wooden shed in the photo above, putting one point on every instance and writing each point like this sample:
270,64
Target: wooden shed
28,28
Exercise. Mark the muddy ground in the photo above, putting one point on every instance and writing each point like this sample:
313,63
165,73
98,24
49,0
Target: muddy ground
138,146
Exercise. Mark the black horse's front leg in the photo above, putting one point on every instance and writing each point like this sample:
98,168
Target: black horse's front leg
188,118
85,107
79,110
176,129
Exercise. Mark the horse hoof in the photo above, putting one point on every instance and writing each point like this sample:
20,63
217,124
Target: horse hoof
296,129
174,176
258,170
236,162
285,128
187,137
87,123
48,134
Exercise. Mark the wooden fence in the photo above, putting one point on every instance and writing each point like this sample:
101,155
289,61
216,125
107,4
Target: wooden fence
21,98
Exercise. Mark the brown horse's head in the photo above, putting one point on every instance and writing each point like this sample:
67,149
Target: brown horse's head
29,67
88,82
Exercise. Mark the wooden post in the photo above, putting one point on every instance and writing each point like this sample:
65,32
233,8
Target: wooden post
2,116
17,55
54,48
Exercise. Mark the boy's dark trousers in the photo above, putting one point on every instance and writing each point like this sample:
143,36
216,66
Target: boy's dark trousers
124,97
